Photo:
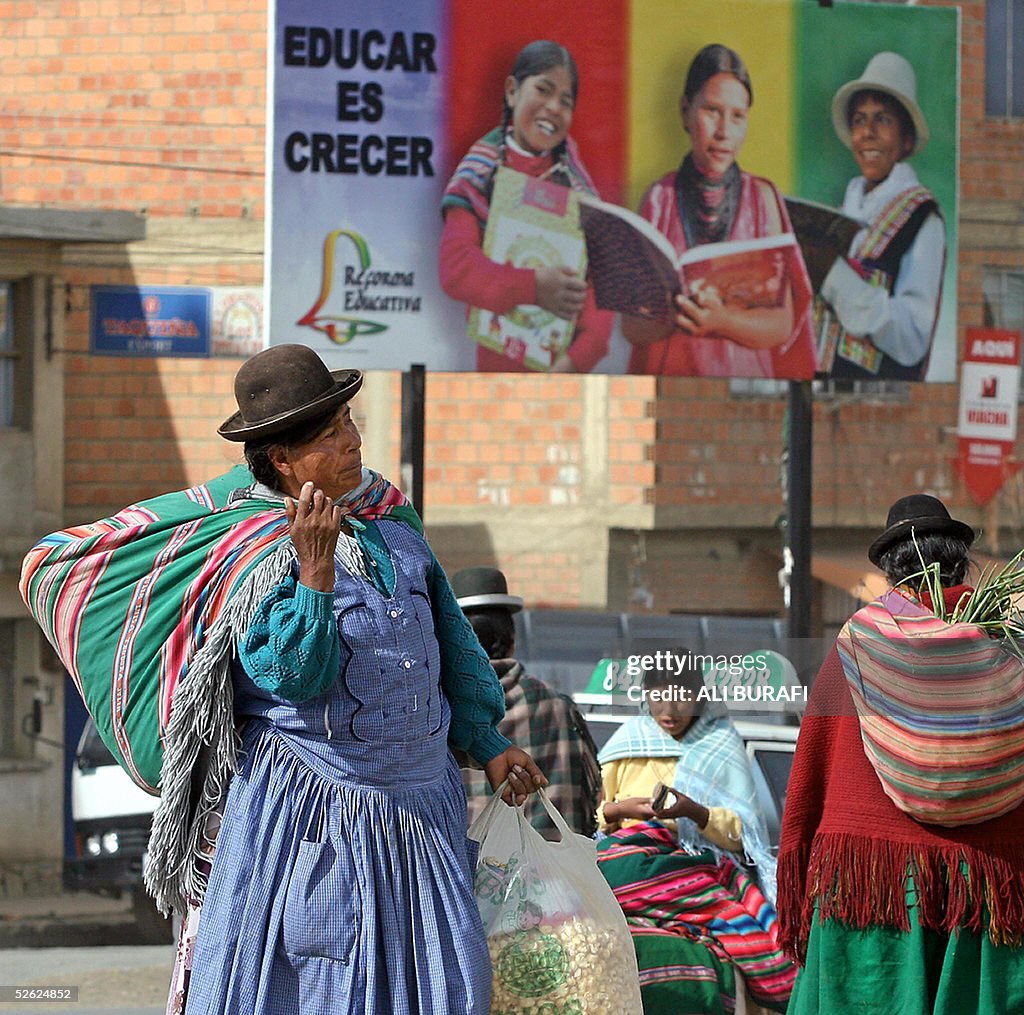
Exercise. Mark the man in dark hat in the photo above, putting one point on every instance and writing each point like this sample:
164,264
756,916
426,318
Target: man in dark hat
535,715
903,832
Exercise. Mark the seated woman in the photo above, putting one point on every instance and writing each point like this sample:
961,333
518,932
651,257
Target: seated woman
696,916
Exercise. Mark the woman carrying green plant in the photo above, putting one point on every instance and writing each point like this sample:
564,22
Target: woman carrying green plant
901,867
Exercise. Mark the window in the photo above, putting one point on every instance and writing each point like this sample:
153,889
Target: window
865,391
1004,299
7,356
1004,58
16,327
1003,293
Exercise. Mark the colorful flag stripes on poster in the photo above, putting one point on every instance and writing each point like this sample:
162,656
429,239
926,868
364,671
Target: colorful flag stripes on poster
373,107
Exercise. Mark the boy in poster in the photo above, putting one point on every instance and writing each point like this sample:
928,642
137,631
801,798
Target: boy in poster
886,293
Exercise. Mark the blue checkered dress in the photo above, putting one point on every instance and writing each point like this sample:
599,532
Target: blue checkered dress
342,881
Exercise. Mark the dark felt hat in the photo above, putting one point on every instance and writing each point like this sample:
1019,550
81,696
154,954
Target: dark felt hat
920,515
479,587
283,386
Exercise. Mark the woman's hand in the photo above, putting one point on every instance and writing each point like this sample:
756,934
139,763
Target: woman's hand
635,808
563,365
524,777
560,291
683,807
701,313
314,523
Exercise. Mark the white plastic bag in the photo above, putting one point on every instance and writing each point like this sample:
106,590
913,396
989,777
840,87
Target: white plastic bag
558,939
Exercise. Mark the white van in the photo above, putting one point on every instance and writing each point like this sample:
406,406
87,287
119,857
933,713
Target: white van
112,819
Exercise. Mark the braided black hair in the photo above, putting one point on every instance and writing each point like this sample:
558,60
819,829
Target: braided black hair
495,630
907,558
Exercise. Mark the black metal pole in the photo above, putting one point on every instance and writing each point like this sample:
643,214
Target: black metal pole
414,389
798,527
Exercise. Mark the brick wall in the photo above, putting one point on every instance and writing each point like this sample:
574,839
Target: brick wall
503,441
155,105
160,107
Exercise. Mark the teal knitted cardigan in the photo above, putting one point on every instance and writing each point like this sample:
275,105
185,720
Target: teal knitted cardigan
294,653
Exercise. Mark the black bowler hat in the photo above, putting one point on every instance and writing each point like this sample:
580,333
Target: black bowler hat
479,587
283,386
920,515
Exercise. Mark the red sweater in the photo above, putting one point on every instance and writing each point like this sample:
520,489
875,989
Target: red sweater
470,276
847,847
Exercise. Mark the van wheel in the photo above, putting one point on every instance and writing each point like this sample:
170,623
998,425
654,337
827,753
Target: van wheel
154,928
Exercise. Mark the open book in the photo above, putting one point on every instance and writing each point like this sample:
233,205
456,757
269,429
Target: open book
634,269
823,233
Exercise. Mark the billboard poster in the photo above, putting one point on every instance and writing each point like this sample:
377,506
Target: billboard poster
745,207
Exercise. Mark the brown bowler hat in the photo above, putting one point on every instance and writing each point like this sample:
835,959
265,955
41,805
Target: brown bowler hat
283,386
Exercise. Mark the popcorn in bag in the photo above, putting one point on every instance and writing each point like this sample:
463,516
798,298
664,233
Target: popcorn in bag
558,939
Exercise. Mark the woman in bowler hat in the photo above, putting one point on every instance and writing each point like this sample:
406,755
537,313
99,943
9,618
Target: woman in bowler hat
886,906
343,878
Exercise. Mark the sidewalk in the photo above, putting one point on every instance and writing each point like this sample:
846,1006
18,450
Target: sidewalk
126,980
76,919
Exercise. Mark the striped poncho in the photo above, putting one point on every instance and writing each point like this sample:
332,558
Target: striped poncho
941,711
143,609
470,185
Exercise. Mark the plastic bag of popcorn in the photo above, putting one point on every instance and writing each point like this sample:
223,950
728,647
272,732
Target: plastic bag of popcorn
558,939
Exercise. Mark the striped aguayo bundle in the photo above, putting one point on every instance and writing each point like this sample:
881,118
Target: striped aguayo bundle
130,602
941,711
143,609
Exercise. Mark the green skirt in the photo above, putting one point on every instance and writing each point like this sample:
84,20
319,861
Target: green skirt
885,971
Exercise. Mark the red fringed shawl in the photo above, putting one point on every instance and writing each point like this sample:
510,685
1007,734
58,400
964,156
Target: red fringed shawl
847,848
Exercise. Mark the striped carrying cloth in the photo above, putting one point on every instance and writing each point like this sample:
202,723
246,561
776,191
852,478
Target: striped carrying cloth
941,711
143,608
893,217
694,918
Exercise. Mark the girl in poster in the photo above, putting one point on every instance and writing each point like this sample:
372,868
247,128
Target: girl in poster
533,138
710,200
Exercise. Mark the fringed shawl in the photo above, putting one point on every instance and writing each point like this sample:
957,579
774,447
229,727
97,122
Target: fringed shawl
713,770
848,850
941,710
143,609
471,183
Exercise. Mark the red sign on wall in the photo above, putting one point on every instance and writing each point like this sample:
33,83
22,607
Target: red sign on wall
989,386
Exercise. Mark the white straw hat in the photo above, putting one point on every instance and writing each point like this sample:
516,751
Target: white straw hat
889,73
